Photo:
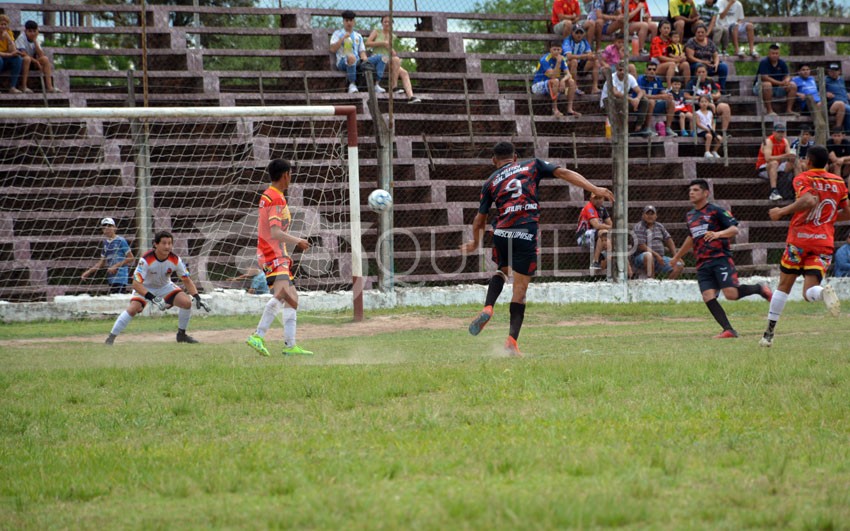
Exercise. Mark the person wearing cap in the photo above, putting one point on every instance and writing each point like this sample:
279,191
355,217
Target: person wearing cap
839,153
580,57
651,239
775,156
836,96
553,78
773,82
115,255
800,146
627,86
565,13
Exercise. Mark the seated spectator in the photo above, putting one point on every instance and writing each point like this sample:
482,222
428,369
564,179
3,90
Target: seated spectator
11,58
800,147
704,119
732,25
637,99
775,157
650,239
348,45
34,57
806,86
685,17
658,96
614,53
682,110
708,13
701,50
565,14
841,260
594,222
839,153
836,96
580,57
258,285
702,85
670,53
591,24
609,17
773,82
640,22
553,79
379,41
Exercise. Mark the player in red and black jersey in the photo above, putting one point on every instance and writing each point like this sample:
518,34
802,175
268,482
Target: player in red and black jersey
513,188
711,227
821,200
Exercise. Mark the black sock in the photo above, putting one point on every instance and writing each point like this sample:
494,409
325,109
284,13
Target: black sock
517,315
745,290
718,313
494,289
770,326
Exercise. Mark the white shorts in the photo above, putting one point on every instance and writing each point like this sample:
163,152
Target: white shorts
587,239
783,166
541,88
163,292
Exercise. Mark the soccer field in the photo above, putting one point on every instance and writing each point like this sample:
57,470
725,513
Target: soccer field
619,415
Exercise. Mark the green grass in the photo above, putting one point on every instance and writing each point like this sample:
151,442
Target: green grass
620,416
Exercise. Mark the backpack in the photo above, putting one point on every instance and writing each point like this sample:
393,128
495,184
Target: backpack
362,68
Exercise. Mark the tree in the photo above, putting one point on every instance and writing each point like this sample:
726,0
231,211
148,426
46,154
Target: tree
505,46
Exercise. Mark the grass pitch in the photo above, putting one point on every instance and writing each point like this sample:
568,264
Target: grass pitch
620,416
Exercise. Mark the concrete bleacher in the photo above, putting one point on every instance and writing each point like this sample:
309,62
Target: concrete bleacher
441,153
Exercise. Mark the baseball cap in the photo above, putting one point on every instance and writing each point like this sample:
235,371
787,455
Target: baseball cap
107,221
648,208
779,126
578,27
833,66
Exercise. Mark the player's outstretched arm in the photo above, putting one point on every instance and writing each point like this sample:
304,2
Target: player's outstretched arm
477,232
579,180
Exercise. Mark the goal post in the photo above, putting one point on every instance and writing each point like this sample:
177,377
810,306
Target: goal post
195,171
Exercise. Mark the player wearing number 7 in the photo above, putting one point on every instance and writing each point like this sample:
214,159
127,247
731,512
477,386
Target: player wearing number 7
821,200
513,187
711,227
152,283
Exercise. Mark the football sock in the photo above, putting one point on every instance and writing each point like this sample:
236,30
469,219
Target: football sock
183,316
814,294
289,322
494,289
269,313
517,315
121,323
777,304
718,313
745,290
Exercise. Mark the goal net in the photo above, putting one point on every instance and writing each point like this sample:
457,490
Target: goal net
195,172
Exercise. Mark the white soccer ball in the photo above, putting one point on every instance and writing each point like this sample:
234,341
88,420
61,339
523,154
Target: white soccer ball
380,200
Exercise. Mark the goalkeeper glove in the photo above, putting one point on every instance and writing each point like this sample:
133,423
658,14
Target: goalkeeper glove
199,304
157,301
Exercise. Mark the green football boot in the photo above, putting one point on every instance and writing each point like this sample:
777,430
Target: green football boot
295,350
258,343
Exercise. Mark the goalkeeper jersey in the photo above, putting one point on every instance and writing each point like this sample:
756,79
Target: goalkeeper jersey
274,212
154,273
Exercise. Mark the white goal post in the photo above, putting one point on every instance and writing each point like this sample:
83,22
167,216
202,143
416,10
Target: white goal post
195,171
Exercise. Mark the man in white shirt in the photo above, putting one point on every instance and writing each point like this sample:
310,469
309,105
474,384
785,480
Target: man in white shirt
348,45
639,102
34,57
731,23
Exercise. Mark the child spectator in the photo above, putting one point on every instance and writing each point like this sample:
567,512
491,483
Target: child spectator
800,147
580,57
702,85
668,66
705,128
11,58
379,41
681,108
614,53
34,57
730,22
553,78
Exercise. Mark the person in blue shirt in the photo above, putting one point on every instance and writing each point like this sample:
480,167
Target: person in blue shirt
115,255
836,96
773,82
806,86
553,78
658,95
841,259
579,56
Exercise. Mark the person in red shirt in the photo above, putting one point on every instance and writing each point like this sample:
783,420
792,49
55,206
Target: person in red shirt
668,66
642,25
775,156
594,222
821,201
565,13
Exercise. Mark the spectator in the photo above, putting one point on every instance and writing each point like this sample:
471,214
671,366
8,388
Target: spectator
580,57
591,25
116,256
640,22
731,23
836,96
682,110
800,147
841,259
348,45
708,15
775,157
658,97
553,79
34,57
565,13
614,53
705,128
11,58
775,79
258,285
609,17
650,239
379,41
669,64
701,49
594,222
806,86
638,103
702,85
839,153
685,16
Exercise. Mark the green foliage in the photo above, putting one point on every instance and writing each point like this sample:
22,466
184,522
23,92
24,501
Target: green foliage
85,62
508,46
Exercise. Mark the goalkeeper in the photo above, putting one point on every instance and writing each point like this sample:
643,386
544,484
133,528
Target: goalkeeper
152,283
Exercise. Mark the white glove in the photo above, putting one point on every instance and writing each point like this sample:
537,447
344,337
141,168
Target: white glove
156,301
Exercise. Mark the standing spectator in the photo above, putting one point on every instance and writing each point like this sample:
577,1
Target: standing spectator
704,119
609,16
806,86
669,64
800,146
836,96
638,102
708,13
841,262
34,57
650,239
682,110
685,16
565,13
702,85
614,53
553,79
839,153
640,22
701,50
580,57
658,97
348,45
11,58
775,157
116,256
594,222
379,41
775,79
731,23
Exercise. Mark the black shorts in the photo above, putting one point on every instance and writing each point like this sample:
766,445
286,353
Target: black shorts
717,274
516,248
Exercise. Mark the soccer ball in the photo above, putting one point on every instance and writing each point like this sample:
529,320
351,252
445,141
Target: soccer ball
380,200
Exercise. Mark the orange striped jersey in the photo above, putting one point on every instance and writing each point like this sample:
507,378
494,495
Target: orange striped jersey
274,212
154,273
814,229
